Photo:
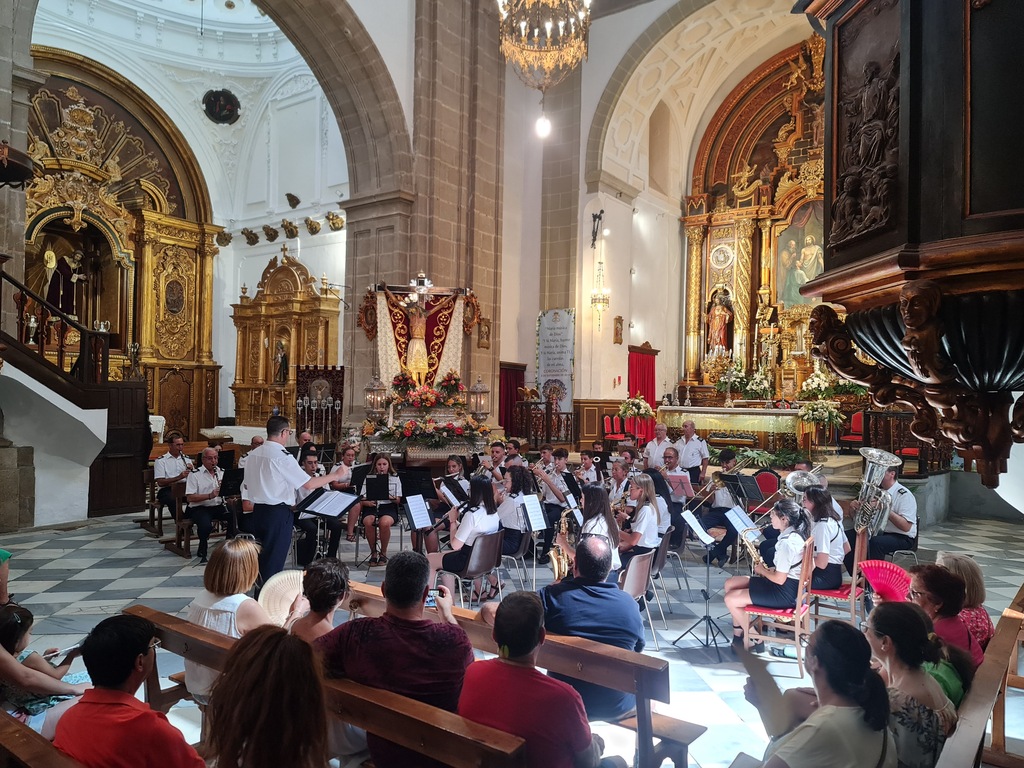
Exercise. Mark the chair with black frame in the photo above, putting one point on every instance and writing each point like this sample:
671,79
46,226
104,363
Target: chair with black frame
485,558
635,582
518,558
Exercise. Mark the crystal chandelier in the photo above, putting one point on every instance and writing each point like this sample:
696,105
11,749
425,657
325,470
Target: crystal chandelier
544,40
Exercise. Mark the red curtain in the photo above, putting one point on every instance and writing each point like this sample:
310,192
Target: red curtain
641,379
511,379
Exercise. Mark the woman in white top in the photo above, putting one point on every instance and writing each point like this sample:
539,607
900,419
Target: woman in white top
455,468
830,542
598,521
642,537
480,519
384,512
223,605
848,725
772,587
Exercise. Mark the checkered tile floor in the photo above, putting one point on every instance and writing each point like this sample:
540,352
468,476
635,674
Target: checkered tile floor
71,578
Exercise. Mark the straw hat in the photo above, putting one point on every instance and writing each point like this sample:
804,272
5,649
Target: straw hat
278,593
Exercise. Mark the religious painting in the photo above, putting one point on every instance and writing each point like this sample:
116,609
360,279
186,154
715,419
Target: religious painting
483,339
617,330
800,254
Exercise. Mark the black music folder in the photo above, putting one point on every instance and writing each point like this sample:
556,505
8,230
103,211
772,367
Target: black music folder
378,488
359,473
326,503
231,483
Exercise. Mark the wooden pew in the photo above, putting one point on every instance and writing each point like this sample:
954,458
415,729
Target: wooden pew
987,697
412,724
644,676
21,747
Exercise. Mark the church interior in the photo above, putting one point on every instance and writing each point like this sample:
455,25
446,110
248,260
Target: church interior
780,221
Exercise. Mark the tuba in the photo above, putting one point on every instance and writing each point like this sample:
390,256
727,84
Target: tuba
800,482
560,560
875,504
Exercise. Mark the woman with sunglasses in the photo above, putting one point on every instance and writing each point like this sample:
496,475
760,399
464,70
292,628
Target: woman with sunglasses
772,587
921,715
849,708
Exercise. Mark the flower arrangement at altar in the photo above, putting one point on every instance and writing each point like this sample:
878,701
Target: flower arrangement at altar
822,384
759,387
731,379
402,385
824,413
636,407
427,432
451,389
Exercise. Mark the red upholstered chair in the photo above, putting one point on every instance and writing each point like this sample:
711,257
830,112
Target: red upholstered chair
848,599
613,430
793,621
768,480
854,439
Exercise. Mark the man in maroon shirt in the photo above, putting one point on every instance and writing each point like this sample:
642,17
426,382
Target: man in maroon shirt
402,651
109,727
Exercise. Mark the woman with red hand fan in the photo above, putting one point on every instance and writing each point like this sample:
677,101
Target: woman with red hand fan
940,593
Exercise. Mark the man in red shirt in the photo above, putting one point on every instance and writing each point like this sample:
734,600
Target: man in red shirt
548,714
109,727
402,651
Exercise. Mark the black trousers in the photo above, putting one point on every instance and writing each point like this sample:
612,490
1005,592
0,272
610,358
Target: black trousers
305,548
878,546
715,518
203,517
675,511
553,514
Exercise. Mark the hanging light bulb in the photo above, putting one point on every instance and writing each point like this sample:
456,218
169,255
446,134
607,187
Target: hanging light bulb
543,127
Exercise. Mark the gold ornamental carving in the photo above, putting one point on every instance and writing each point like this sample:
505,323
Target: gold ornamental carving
744,245
174,281
695,239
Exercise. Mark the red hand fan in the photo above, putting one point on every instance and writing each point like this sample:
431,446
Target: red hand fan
890,582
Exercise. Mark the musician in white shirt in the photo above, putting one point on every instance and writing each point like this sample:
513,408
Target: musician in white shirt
256,442
305,549
830,544
205,504
678,500
654,452
643,534
693,453
588,471
554,487
171,468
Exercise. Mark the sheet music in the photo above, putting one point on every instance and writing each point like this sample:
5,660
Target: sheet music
697,528
418,512
332,503
741,520
578,514
534,513
448,496
571,502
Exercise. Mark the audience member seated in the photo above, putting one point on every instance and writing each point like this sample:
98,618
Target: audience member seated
383,513
6,598
548,714
843,721
642,536
479,519
830,542
772,587
223,605
205,504
109,727
39,711
589,606
973,614
921,715
171,468
268,708
403,652
941,594
597,520
305,548
954,671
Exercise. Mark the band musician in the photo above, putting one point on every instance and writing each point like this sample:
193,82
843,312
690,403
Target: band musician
693,453
205,504
721,501
901,527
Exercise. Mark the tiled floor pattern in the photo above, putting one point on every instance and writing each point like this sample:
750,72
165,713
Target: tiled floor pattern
72,578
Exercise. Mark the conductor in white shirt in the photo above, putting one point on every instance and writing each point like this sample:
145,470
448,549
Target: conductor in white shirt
271,478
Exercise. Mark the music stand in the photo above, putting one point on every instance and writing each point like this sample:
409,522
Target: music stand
536,521
231,483
572,485
226,459
326,454
378,488
455,489
293,450
744,489
416,481
711,630
359,473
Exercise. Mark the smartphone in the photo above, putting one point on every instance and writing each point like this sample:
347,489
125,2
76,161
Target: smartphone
432,598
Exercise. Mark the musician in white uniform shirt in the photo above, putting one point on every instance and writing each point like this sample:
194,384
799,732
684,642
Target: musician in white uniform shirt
555,488
678,500
171,468
643,534
654,452
256,442
205,504
588,471
900,527
693,454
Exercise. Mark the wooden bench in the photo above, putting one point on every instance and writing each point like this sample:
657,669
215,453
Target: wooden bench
420,727
644,676
987,698
21,747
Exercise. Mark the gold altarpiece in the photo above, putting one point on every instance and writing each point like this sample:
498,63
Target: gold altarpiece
289,322
119,201
753,222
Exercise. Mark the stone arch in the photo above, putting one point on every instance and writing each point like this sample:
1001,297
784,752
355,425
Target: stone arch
359,88
684,58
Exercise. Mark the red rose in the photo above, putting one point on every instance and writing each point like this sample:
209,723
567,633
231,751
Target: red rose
458,430
407,432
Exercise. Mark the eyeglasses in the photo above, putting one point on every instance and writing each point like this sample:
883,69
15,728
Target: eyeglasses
154,645
914,594
865,628
245,536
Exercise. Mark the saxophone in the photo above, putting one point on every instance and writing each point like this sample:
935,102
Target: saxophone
561,561
753,553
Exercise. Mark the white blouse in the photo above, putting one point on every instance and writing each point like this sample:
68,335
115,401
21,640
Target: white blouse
476,523
789,553
828,537
646,524
599,526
